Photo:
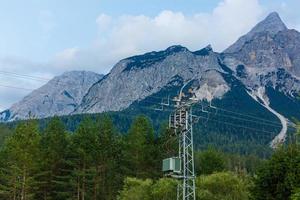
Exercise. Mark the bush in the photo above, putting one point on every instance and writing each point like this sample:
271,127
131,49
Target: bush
165,189
224,185
136,189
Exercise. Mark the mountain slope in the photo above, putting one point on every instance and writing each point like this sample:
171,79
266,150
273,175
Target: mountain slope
137,77
268,58
60,96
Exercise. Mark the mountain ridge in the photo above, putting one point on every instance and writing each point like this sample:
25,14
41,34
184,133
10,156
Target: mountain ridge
264,59
57,97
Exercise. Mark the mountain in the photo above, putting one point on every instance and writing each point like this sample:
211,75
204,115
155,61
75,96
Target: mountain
60,96
264,64
267,57
137,77
256,76
272,24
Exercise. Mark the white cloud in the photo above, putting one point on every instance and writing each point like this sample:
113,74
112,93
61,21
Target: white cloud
103,21
66,57
129,35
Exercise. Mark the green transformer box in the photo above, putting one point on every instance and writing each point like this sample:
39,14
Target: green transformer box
172,165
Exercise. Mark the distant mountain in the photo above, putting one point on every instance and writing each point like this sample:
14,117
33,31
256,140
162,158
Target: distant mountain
268,57
272,24
258,74
60,96
137,77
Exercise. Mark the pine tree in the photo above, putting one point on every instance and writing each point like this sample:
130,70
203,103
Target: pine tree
108,162
209,161
85,150
140,149
53,173
20,157
4,133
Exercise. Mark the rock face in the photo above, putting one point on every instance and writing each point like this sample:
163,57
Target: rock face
271,25
60,96
267,56
140,76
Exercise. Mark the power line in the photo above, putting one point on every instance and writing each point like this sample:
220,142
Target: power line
246,115
242,119
14,87
238,126
206,118
37,78
229,111
261,121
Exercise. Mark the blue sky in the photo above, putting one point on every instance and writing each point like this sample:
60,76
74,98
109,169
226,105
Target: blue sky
48,37
37,29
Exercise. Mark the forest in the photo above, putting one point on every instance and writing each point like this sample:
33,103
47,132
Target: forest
98,161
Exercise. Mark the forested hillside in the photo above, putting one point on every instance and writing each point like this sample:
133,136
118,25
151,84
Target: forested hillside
97,161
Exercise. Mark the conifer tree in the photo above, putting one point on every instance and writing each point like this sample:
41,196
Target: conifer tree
53,172
84,149
140,149
110,157
20,157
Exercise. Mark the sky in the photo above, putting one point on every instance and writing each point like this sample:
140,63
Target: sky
40,39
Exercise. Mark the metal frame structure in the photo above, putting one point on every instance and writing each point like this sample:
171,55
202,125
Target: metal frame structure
181,121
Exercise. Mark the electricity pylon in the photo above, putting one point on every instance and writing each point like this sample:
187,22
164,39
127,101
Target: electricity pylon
181,121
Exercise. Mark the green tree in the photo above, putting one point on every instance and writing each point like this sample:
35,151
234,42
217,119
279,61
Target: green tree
4,133
223,185
209,161
296,194
141,151
96,156
21,156
243,164
108,162
279,176
84,150
136,189
297,134
53,175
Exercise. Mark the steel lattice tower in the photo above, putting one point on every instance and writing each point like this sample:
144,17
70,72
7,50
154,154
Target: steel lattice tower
181,121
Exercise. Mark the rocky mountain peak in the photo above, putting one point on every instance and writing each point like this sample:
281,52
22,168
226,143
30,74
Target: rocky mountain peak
176,49
272,24
205,51
59,96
